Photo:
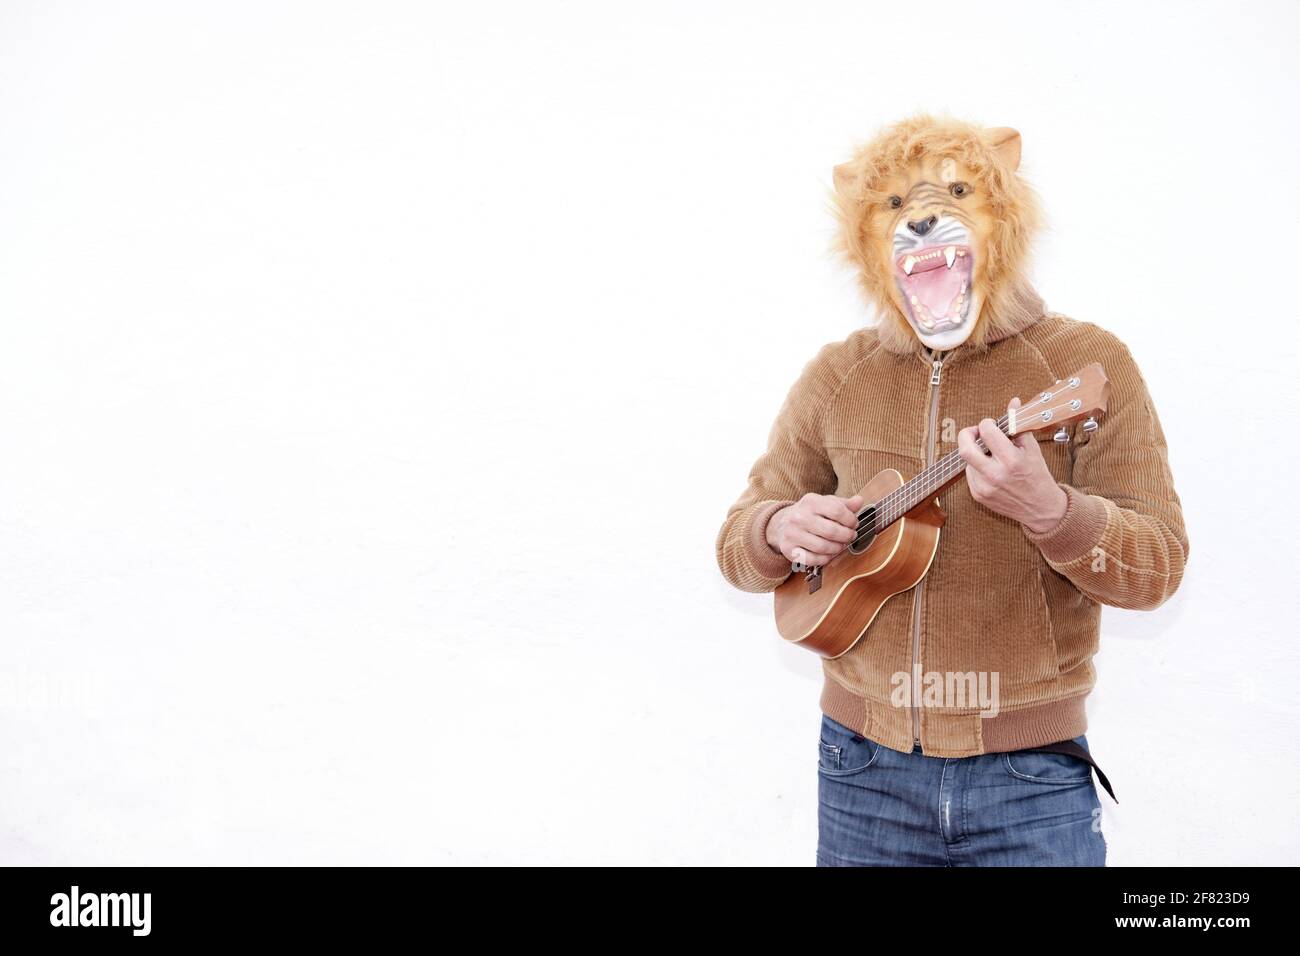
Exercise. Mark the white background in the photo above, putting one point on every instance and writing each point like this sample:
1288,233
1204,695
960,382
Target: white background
375,378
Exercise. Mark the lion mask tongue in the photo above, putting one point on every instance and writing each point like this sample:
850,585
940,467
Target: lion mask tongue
935,283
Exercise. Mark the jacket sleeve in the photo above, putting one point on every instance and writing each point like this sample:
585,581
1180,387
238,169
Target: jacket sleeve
794,464
1122,540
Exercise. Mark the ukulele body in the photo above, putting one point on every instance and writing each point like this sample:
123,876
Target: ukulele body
830,617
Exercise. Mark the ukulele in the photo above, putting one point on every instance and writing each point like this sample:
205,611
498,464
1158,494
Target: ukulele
828,608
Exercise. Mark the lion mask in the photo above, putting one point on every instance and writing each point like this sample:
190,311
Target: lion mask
937,223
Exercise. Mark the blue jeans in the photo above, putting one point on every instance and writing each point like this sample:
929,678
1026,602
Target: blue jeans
882,807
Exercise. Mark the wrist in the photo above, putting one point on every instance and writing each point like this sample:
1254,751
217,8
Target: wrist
771,534
1078,533
1052,514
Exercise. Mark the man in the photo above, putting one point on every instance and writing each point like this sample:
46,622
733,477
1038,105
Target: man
1044,529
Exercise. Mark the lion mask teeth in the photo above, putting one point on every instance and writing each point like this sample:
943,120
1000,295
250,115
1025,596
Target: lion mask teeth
950,255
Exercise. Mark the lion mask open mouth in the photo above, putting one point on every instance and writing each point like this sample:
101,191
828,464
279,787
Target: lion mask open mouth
934,277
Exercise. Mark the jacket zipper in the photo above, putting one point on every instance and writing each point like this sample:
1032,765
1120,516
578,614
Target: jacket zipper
936,374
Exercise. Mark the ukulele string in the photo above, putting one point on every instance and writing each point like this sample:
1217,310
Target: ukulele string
895,504
940,471
891,506
946,468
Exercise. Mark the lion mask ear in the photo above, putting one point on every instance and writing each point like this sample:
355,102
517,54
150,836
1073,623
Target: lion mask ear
845,176
1006,143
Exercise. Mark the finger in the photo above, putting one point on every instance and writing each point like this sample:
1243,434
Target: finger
841,510
970,452
814,543
987,464
819,549
830,546
831,530
997,443
1027,442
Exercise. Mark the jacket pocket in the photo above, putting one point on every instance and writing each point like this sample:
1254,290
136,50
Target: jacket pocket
1048,631
986,613
857,464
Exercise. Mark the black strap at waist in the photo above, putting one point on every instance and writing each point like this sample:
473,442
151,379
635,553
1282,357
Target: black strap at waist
1074,750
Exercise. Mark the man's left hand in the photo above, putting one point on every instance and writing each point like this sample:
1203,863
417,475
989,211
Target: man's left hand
1011,478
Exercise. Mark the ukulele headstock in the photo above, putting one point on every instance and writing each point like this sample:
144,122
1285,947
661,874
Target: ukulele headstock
1083,395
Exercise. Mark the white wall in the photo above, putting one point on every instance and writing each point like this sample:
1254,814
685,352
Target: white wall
375,377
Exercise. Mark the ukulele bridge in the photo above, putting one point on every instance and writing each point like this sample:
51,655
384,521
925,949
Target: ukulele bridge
814,578
812,574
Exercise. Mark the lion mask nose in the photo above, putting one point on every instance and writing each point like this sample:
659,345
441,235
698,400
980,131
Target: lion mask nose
922,226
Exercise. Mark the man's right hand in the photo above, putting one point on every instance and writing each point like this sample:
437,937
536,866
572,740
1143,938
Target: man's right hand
815,528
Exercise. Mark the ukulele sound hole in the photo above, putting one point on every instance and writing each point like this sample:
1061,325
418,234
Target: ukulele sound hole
865,536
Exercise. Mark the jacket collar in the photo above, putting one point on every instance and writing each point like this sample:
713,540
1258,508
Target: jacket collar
1021,307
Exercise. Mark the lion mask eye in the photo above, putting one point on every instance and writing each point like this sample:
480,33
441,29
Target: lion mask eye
959,189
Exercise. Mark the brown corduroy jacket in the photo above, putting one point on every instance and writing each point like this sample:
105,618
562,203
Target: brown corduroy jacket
1016,610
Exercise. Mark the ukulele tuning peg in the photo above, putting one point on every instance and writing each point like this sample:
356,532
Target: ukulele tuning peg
1090,424
1061,436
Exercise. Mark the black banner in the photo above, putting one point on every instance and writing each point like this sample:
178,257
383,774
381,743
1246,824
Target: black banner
134,906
